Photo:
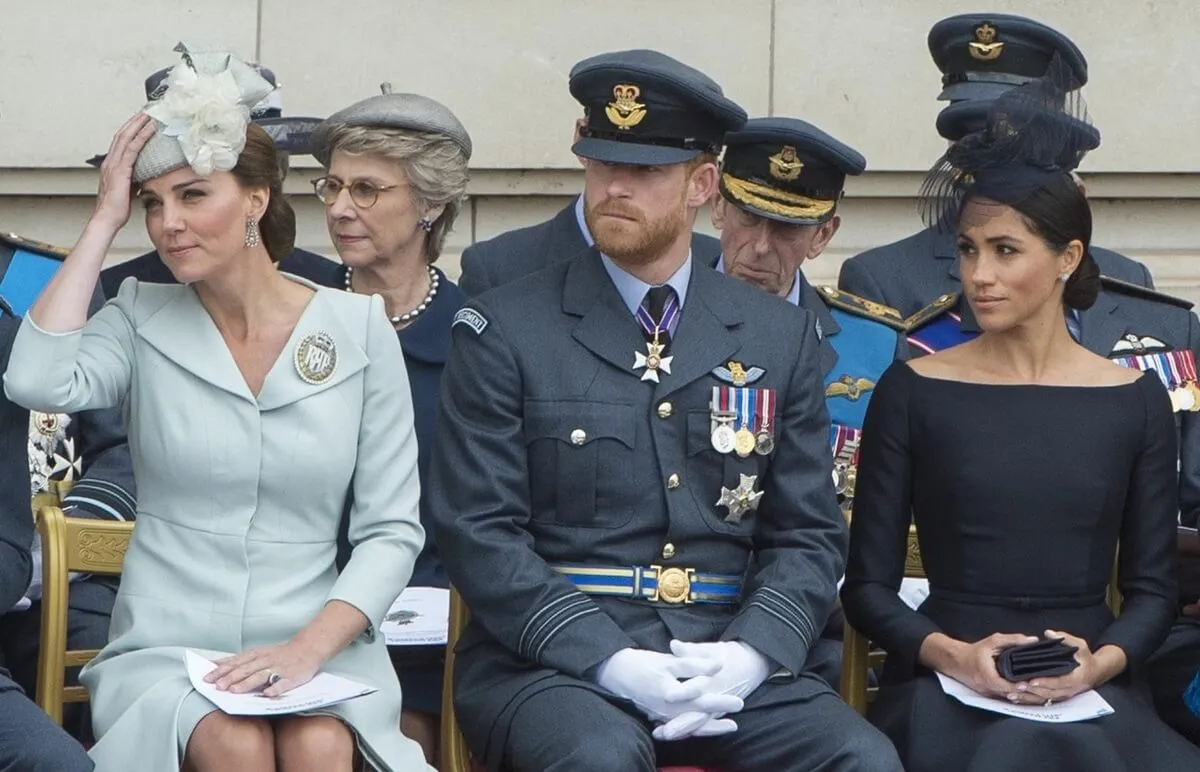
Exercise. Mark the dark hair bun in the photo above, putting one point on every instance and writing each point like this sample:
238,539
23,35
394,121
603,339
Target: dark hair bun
1083,286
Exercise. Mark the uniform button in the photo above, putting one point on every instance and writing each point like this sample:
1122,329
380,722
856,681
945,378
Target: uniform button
665,409
578,437
673,481
668,551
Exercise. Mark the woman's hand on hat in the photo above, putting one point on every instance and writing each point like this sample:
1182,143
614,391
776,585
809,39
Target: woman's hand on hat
113,199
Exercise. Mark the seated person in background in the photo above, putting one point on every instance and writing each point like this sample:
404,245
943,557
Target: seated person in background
781,180
396,177
29,741
1023,459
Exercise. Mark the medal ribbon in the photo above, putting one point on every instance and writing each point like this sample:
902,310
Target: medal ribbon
765,406
841,437
670,318
745,409
1173,368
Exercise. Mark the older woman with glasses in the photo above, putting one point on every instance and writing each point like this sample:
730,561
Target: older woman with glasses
396,177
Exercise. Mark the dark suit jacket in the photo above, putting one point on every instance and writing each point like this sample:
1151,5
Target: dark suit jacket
515,488
517,253
911,273
150,267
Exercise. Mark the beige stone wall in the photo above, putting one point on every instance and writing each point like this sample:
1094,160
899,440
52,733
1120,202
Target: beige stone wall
71,72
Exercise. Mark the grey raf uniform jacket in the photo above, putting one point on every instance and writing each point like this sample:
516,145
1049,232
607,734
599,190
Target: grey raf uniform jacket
538,362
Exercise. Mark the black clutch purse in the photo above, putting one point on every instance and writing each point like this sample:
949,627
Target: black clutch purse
1042,659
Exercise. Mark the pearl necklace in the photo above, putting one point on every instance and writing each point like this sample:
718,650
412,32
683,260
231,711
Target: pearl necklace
413,314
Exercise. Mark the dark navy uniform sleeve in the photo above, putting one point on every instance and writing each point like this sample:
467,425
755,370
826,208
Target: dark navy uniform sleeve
16,525
1146,560
856,280
479,483
1189,448
801,539
474,278
879,528
106,489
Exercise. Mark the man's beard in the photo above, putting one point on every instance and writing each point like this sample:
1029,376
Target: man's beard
633,242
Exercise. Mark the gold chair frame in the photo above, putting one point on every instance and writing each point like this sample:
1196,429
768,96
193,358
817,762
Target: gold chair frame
69,544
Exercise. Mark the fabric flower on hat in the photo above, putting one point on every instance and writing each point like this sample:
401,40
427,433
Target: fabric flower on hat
206,107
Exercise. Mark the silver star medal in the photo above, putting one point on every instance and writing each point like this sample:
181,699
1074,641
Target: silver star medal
741,499
653,361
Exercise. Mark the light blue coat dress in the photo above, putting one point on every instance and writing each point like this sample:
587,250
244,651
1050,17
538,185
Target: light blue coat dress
239,500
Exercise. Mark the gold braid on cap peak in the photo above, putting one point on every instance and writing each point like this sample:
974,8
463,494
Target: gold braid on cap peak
775,201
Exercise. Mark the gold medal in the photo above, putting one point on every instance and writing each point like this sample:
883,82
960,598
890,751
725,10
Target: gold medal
745,442
1182,400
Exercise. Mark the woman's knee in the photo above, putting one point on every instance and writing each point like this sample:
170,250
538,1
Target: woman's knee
313,742
220,740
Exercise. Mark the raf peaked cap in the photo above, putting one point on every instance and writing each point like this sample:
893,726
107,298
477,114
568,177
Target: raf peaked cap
787,170
645,108
983,55
411,112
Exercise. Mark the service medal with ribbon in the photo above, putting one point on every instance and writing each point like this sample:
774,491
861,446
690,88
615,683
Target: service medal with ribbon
1176,370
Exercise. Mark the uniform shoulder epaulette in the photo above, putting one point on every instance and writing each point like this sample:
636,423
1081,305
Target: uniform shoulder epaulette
1138,291
868,309
40,247
932,311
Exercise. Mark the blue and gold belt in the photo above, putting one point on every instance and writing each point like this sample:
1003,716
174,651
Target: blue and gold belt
654,583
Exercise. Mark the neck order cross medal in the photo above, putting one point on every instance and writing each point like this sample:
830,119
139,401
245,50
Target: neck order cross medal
653,360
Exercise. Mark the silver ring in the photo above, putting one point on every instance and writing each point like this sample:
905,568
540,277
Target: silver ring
273,678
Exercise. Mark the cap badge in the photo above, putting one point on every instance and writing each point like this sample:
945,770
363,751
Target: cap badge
316,358
625,111
985,47
785,165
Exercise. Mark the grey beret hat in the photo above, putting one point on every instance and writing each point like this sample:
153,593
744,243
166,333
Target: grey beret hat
393,111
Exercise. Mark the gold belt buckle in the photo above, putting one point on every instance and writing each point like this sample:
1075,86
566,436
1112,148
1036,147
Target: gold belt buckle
674,585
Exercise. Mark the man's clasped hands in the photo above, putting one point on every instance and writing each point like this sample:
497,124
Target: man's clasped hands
689,692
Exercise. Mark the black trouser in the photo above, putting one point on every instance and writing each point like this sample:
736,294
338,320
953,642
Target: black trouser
29,741
88,615
570,729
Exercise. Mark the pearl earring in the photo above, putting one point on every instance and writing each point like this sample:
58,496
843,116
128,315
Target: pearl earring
1063,277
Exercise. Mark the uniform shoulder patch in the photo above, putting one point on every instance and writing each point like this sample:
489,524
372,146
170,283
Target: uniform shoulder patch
40,247
868,309
1138,291
471,318
932,311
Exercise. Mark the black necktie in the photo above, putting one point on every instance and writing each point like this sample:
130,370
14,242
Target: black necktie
655,302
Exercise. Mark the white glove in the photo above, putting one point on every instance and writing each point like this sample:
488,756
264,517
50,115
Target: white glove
741,669
646,677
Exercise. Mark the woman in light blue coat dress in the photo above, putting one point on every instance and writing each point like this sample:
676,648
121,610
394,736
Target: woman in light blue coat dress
255,403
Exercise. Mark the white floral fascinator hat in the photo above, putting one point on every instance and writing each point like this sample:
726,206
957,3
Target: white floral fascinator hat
202,116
